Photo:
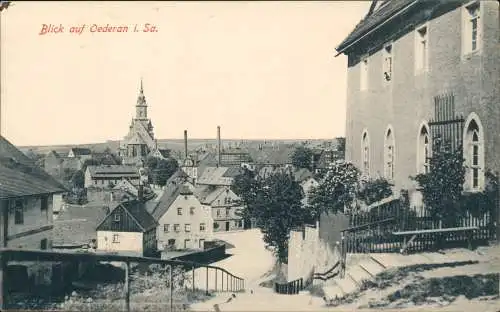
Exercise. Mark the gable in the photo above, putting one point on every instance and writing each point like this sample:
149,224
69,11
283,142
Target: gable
126,224
181,201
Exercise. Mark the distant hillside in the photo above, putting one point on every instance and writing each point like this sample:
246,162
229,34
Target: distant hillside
176,145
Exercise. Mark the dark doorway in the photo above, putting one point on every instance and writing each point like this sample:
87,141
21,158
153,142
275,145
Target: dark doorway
227,226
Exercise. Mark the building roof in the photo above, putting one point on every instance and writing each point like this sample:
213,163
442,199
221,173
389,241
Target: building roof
79,151
113,170
137,210
371,21
215,176
20,176
77,225
173,189
206,194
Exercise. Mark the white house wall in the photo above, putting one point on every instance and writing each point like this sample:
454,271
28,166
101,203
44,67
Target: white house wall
202,214
127,241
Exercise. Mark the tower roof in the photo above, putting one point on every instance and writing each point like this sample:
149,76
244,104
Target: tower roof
141,99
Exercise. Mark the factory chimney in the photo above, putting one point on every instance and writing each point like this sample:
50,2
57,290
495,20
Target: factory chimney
185,143
219,147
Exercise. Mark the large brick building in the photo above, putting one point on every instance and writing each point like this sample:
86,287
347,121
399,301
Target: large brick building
418,71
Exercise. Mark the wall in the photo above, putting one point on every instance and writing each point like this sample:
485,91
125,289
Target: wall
34,218
37,226
207,256
407,100
201,214
315,248
302,248
98,195
128,241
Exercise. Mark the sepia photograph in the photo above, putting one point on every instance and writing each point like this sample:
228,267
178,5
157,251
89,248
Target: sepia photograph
241,156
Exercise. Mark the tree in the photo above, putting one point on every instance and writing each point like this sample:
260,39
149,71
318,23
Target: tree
160,170
245,186
78,179
275,203
89,162
336,190
374,190
302,157
442,186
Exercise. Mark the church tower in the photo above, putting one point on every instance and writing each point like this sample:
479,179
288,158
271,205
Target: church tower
140,141
141,108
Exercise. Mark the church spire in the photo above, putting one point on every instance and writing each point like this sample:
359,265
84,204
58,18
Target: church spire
141,99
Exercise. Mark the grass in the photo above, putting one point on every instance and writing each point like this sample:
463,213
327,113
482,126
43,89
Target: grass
449,288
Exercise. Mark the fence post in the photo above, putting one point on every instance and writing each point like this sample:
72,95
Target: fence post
207,282
193,279
171,288
222,281
3,271
215,279
127,286
227,281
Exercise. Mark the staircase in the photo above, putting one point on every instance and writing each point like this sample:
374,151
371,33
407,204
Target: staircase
365,270
371,265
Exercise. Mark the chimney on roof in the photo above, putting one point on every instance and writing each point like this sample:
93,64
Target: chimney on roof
185,143
219,147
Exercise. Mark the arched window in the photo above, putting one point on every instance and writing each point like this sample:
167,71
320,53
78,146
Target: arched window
389,155
365,153
474,154
423,150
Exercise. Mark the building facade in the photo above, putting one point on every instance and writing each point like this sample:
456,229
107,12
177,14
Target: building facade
106,175
224,205
26,205
184,223
128,229
422,72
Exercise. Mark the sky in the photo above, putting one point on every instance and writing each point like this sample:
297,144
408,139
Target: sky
260,70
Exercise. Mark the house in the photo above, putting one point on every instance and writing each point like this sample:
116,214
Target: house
184,223
102,176
224,205
81,153
128,229
222,176
127,186
160,153
422,75
140,140
26,203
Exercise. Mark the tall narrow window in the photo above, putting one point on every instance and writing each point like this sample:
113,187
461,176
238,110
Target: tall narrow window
471,34
364,74
423,150
474,154
389,155
365,156
19,211
421,50
475,160
388,62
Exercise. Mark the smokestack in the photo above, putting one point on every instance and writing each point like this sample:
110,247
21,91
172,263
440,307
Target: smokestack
185,143
218,146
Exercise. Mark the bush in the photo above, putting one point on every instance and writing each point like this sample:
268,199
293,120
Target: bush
374,190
